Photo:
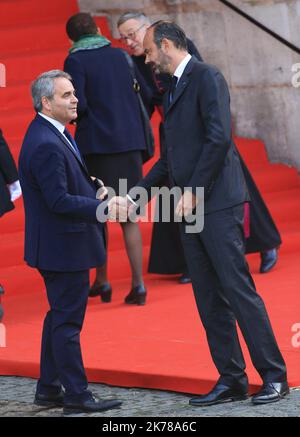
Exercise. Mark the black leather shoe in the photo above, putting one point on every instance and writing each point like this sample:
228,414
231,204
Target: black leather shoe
268,260
104,291
184,279
137,296
219,395
271,392
93,405
53,401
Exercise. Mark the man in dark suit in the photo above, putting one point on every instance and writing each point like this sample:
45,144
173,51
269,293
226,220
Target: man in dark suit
63,240
200,152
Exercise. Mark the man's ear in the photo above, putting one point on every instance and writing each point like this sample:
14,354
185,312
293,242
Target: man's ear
46,103
165,44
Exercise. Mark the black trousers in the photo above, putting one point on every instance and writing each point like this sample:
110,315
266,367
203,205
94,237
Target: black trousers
61,359
225,294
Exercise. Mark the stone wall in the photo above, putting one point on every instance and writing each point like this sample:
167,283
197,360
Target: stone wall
258,68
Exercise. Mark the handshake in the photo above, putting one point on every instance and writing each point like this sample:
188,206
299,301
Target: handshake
120,208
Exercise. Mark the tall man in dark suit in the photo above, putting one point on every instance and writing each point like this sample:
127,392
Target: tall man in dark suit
200,152
63,240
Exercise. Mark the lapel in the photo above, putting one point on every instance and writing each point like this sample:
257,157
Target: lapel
62,138
181,86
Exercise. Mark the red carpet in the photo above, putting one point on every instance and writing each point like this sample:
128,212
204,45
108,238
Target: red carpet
161,345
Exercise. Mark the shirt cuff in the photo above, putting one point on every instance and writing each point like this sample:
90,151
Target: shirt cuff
15,190
131,200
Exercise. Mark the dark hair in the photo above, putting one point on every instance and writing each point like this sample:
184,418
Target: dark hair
171,31
80,24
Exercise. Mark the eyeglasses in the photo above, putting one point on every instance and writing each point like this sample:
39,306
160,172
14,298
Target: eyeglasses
131,35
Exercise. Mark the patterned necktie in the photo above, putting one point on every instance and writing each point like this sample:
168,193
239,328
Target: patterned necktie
172,88
72,141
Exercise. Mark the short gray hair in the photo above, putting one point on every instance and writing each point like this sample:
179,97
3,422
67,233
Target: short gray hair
43,86
130,15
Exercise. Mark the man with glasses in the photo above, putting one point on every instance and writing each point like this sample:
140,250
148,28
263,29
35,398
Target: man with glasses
132,27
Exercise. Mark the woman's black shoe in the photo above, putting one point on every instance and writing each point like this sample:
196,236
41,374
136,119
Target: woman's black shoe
104,291
137,296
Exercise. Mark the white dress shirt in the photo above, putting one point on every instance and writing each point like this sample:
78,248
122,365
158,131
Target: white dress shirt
181,67
59,126
15,190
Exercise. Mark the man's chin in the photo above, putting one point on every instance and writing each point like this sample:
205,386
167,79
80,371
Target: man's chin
74,116
137,52
159,70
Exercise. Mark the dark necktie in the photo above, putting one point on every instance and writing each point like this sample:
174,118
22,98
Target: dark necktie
172,88
72,141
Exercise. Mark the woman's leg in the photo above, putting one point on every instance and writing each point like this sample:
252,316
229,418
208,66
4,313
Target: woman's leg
134,248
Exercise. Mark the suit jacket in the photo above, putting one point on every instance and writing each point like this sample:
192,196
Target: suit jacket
199,150
61,229
109,119
8,175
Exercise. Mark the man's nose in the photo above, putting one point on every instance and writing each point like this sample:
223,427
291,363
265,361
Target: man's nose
131,41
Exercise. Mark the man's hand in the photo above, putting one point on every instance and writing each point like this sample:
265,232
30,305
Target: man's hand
118,209
102,191
186,204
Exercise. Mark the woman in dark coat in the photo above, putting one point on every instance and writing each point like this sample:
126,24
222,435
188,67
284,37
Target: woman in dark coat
109,132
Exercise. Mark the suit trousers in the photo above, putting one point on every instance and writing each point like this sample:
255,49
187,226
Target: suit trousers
61,359
225,294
